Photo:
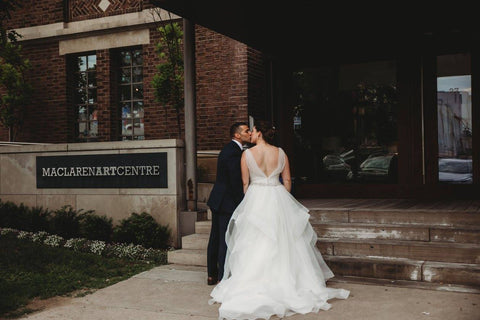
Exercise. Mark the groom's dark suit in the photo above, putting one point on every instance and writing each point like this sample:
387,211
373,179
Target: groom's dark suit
226,195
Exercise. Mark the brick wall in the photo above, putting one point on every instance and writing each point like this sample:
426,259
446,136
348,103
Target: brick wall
35,13
46,115
222,87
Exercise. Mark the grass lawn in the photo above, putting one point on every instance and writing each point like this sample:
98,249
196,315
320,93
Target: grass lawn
29,270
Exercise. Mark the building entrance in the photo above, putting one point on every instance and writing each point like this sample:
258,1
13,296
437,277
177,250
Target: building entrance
346,124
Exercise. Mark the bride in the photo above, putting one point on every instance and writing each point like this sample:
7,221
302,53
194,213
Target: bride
272,265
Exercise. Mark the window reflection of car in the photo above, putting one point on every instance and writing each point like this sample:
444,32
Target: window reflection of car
335,167
455,170
379,168
129,126
138,127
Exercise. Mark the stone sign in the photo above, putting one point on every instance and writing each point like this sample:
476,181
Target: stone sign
140,170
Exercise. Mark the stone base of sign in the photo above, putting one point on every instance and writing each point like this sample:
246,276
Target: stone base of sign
18,182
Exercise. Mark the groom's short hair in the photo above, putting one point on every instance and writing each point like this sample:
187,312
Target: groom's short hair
235,128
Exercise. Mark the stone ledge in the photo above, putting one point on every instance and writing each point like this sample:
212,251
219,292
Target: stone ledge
104,24
94,146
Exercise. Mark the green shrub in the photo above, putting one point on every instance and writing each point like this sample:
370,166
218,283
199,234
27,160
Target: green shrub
36,219
8,214
142,229
23,218
12,215
95,227
65,222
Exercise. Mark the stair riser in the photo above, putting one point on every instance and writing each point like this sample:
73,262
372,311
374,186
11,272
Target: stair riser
405,270
433,218
359,267
202,229
178,257
435,272
456,235
414,252
202,215
321,216
372,232
201,244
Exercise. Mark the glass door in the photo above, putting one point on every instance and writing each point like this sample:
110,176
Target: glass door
345,124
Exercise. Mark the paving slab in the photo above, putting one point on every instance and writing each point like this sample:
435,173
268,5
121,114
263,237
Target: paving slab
176,292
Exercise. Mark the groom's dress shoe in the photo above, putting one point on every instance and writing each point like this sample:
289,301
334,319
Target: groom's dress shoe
211,281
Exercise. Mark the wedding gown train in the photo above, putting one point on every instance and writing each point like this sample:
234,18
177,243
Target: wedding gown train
272,266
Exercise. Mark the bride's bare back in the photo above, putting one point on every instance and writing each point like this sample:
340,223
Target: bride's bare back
266,157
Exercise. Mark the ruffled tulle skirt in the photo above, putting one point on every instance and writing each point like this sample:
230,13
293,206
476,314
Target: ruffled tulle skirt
272,266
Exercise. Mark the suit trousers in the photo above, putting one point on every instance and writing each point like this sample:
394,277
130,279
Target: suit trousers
217,248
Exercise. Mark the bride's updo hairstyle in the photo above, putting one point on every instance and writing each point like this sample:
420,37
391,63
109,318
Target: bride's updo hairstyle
267,130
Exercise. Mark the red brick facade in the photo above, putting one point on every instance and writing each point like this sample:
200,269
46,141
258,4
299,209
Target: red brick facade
47,116
229,82
222,97
36,13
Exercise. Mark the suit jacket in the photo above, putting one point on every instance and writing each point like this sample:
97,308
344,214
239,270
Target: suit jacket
227,192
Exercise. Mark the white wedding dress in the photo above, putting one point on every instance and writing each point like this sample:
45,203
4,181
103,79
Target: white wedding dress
272,266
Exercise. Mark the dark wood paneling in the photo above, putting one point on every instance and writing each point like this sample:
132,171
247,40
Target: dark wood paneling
429,64
410,164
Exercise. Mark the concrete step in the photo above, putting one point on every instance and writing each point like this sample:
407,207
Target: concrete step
189,257
375,267
456,234
369,231
371,267
202,214
202,205
203,226
195,241
415,250
403,217
405,269
470,234
463,234
455,273
434,286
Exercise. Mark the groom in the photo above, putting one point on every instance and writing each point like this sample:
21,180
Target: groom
226,195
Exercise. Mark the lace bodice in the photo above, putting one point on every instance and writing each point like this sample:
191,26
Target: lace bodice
258,177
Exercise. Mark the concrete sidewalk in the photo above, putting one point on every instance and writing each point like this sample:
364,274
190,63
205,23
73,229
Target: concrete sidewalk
175,292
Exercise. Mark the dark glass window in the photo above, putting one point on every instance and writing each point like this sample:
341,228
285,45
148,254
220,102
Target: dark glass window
85,97
345,123
131,94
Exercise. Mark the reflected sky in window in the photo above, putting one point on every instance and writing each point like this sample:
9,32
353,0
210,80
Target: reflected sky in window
462,83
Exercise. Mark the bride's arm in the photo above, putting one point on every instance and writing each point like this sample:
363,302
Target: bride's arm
286,178
245,173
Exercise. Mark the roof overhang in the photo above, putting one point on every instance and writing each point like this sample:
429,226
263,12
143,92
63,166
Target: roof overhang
302,32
